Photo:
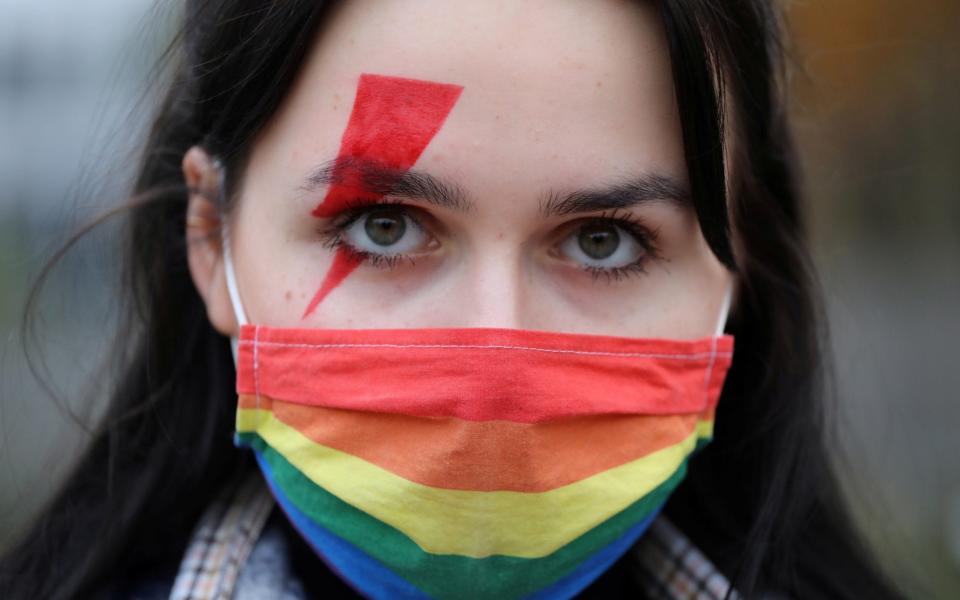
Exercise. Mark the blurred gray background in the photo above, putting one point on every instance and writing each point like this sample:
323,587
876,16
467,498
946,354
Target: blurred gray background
876,94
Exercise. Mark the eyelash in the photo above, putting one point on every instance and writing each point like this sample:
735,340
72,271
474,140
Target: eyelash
353,210
332,236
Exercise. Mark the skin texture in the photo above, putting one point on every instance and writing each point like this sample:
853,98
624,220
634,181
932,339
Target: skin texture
556,97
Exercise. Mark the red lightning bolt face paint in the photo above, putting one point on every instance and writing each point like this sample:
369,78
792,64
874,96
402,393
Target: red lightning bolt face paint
392,121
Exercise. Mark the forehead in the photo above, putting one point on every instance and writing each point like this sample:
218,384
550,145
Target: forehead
575,89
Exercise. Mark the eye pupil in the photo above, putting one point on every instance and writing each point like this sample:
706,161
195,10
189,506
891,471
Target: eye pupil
598,241
385,227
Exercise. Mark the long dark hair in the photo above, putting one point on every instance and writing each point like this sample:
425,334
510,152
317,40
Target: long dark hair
761,500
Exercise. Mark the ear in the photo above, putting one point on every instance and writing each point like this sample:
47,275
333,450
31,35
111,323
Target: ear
204,248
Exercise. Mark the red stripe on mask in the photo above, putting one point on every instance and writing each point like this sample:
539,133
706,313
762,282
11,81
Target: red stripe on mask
482,374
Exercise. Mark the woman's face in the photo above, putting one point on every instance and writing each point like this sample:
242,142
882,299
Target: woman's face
548,193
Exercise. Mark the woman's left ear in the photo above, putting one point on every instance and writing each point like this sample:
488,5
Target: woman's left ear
204,247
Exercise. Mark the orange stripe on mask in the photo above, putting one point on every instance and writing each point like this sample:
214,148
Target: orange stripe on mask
491,455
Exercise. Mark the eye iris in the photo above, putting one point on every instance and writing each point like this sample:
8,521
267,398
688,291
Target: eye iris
598,241
385,227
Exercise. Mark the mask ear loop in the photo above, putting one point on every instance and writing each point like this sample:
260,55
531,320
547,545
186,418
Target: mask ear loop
232,290
724,310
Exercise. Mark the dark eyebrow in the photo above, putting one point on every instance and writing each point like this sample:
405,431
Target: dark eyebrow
643,189
373,177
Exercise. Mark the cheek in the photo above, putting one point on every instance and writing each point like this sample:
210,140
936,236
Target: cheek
276,269
694,283
343,265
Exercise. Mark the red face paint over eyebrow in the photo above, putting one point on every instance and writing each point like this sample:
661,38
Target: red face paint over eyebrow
392,121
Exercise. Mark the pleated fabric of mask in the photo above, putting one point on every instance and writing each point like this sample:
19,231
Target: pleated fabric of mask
473,462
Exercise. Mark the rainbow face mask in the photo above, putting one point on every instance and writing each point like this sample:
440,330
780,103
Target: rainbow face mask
472,462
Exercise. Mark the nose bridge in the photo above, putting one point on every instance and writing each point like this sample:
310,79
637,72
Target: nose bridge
494,288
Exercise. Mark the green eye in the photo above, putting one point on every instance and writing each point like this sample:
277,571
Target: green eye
385,227
598,241
609,247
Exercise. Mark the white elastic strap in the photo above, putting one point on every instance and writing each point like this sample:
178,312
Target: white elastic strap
232,290
724,309
232,281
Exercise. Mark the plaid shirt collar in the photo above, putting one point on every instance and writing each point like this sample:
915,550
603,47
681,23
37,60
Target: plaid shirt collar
231,556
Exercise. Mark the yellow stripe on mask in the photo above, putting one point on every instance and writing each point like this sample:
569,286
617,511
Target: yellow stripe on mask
705,429
465,523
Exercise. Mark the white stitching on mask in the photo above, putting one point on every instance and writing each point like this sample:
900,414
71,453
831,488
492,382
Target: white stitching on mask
712,355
